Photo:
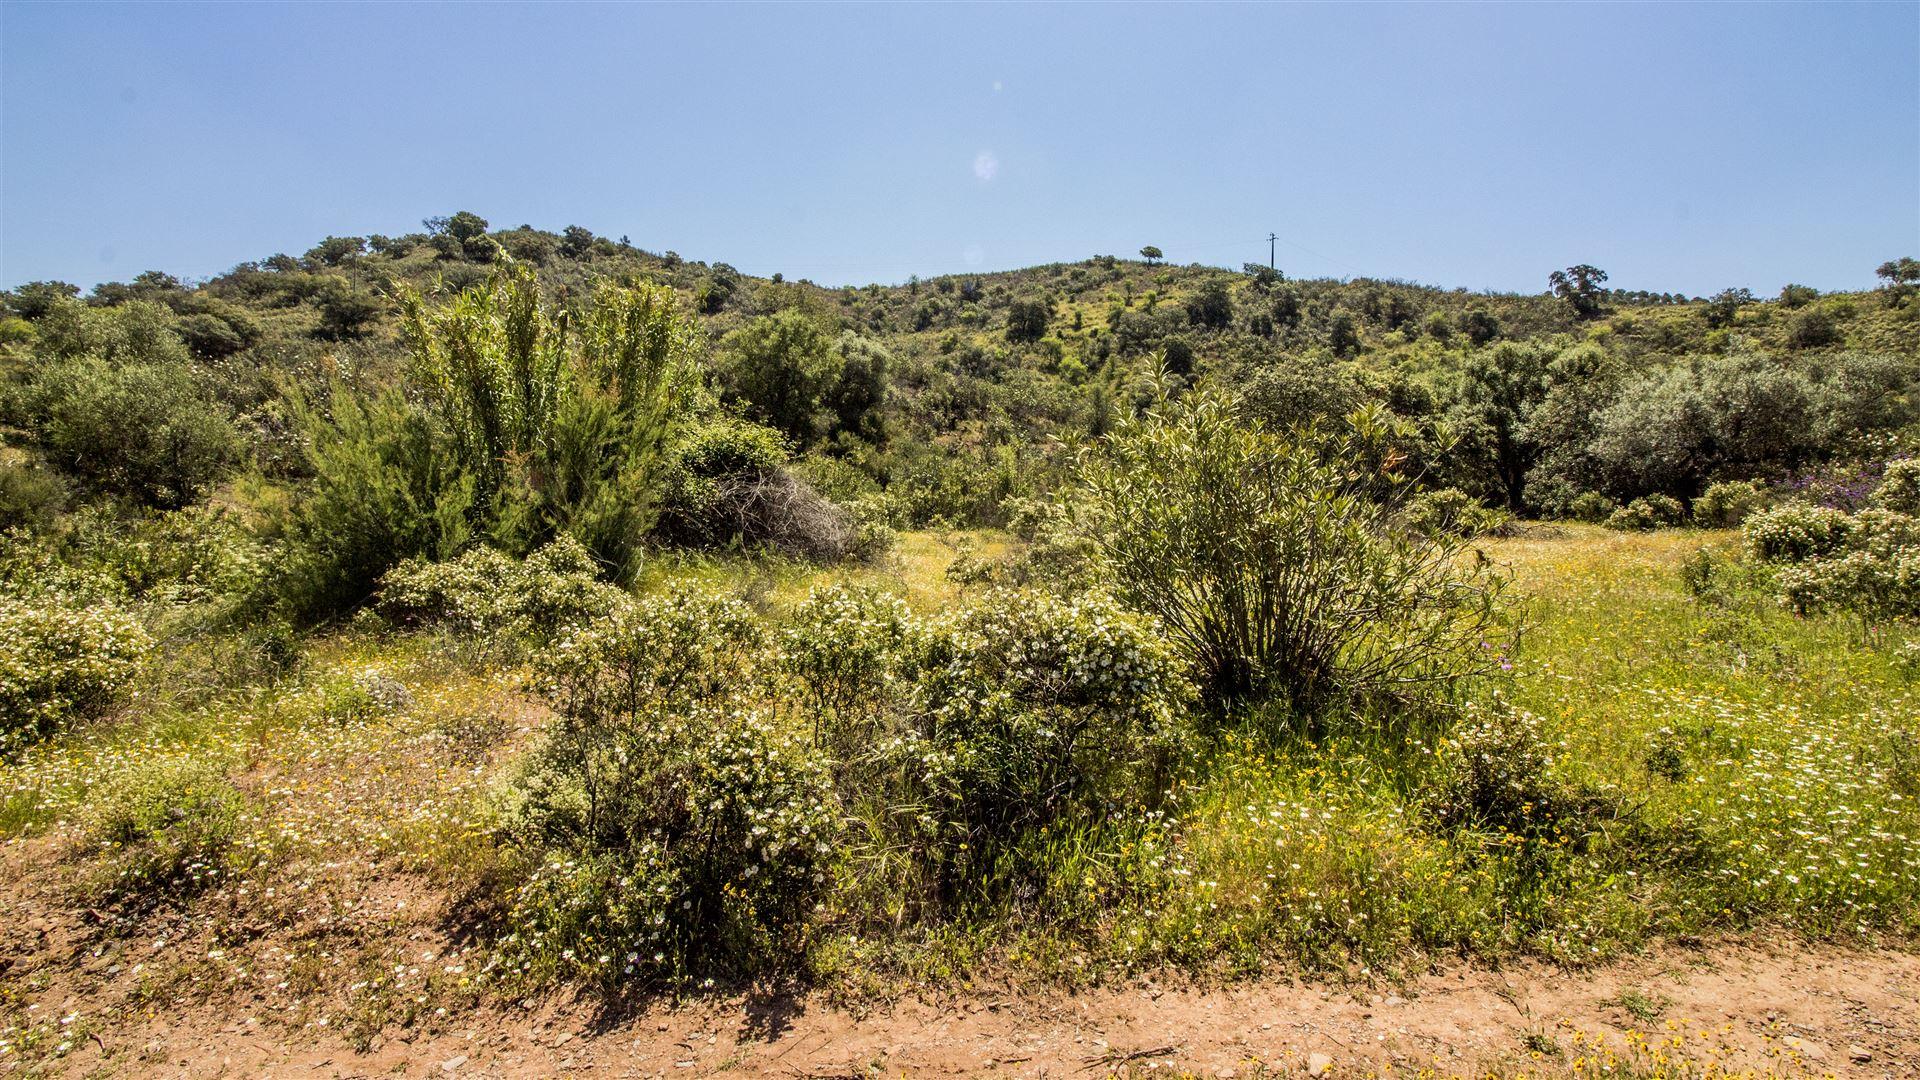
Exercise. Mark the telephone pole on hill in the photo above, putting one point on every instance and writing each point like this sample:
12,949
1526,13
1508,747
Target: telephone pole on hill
1271,237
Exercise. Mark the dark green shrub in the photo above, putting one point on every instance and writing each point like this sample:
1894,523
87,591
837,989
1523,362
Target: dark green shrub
1726,504
1591,507
1812,329
1648,512
147,431
1452,512
29,497
383,489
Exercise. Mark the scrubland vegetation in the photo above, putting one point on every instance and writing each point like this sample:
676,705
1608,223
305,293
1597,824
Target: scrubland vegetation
680,629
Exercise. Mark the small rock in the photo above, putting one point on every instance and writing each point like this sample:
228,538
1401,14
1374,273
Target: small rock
1225,1072
453,1064
1859,1053
1396,999
1810,1051
1318,1064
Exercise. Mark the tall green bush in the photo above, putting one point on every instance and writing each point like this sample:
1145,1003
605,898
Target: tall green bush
561,428
1277,564
147,431
383,490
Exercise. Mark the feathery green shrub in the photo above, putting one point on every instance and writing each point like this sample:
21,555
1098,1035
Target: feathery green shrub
1276,563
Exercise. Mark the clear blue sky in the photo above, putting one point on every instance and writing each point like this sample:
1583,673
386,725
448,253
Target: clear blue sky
1680,147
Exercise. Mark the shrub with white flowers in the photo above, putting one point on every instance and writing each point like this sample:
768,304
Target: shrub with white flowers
1795,532
488,593
675,829
843,648
62,659
1029,710
1866,563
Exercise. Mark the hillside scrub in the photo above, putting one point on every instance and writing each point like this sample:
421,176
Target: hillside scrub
641,623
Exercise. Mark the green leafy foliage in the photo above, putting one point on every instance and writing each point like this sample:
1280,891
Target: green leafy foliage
673,828
1276,566
1648,512
382,489
145,430
561,432
1029,715
1727,504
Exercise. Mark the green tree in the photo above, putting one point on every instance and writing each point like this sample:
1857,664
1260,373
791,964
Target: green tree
1499,389
1899,277
1725,306
336,250
1211,306
576,242
346,309
783,366
1343,334
1027,319
147,431
36,298
1580,287
1151,254
859,396
461,236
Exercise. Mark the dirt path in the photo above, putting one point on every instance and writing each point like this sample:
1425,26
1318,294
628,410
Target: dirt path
1794,1011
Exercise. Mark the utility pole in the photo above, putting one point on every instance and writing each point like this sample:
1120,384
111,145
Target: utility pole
1271,237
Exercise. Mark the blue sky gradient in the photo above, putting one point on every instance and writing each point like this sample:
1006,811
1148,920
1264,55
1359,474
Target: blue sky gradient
1684,147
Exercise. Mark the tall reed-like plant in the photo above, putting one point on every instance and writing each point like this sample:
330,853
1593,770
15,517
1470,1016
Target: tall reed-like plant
562,427
518,427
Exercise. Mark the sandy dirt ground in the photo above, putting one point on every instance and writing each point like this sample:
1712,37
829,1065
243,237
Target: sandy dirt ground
1787,1011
